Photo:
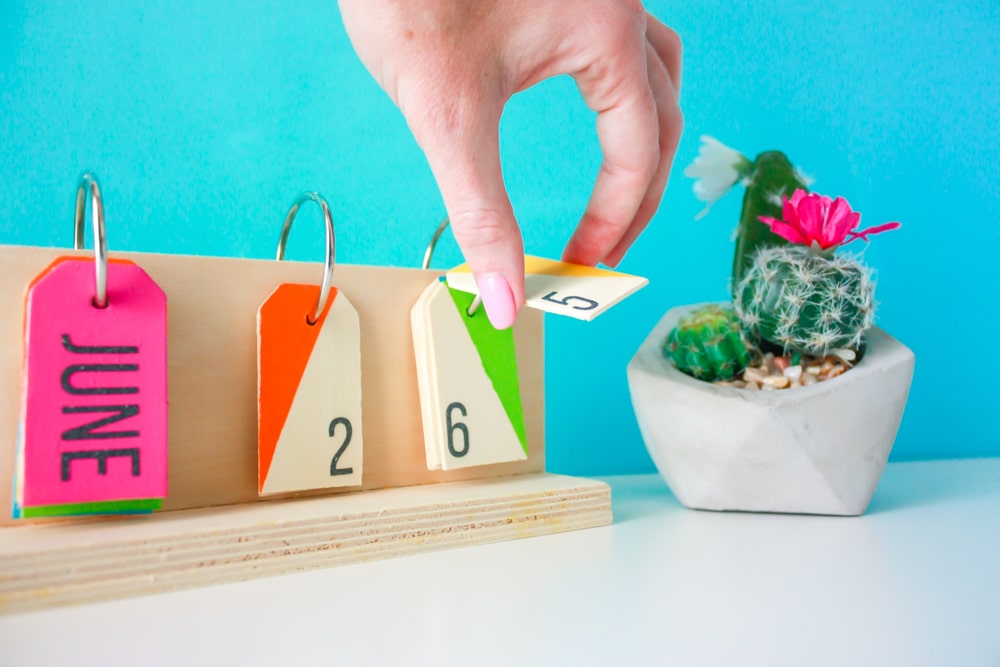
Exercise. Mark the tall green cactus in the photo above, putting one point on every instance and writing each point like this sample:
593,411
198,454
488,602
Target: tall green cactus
708,343
772,176
805,302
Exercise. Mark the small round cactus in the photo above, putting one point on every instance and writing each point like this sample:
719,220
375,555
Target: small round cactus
805,302
708,344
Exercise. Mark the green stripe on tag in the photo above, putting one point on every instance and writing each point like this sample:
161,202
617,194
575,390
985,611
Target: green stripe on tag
136,506
496,352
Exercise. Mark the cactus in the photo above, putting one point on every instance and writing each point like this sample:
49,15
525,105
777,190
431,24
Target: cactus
771,176
805,302
708,344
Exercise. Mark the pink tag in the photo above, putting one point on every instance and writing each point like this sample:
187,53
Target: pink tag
93,436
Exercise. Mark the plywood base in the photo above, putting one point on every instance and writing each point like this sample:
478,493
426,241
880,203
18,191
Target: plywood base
49,565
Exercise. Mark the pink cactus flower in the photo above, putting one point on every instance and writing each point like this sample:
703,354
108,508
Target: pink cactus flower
819,222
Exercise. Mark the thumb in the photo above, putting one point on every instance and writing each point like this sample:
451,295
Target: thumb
466,165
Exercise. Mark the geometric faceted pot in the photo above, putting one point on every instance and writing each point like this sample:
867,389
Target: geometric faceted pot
816,449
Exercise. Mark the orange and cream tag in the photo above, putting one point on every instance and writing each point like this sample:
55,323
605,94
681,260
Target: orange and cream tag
309,432
581,292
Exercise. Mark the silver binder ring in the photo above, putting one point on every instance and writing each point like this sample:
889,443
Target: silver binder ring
88,183
433,244
324,290
426,264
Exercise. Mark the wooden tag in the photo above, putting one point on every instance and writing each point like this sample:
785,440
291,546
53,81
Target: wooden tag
309,432
470,398
93,432
581,292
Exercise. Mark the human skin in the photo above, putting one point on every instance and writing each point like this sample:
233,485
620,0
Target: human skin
451,65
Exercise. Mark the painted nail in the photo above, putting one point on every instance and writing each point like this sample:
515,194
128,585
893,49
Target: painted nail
498,299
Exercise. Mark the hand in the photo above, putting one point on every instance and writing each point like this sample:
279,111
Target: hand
451,65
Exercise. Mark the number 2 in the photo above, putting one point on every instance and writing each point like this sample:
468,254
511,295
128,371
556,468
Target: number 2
334,470
591,304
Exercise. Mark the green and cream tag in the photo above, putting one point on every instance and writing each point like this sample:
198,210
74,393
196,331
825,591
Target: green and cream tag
470,398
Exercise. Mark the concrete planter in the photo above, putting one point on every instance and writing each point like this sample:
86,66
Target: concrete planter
818,449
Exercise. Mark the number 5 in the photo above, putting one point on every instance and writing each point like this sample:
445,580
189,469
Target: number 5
591,304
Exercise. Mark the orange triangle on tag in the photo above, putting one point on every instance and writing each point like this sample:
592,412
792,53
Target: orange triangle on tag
285,342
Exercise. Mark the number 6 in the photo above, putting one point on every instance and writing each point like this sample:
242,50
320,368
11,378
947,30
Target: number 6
456,426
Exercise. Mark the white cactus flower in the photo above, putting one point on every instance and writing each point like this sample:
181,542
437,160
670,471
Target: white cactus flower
717,169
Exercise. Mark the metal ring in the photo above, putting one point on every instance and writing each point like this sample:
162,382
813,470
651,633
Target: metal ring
433,244
426,264
89,182
324,290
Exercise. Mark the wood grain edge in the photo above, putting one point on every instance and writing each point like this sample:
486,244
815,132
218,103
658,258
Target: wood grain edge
108,560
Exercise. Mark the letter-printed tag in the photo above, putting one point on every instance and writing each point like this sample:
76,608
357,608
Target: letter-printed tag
470,395
308,392
93,432
581,292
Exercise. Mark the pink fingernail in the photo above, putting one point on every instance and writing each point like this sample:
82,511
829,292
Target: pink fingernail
498,299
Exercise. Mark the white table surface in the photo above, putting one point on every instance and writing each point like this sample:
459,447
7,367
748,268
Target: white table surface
916,581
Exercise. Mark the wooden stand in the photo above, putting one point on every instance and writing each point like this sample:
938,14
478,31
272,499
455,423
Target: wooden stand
212,528
72,563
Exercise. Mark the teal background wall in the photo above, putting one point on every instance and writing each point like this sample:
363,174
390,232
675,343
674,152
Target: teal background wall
203,119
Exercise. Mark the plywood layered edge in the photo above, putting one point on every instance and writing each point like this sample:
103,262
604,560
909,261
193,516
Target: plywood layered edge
56,564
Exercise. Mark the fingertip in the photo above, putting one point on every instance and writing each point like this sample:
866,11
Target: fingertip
574,253
614,259
498,299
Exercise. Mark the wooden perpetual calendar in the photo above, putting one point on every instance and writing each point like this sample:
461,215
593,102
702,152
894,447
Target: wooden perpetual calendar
248,497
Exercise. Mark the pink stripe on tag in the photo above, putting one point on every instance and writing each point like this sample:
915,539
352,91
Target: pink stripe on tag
95,410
